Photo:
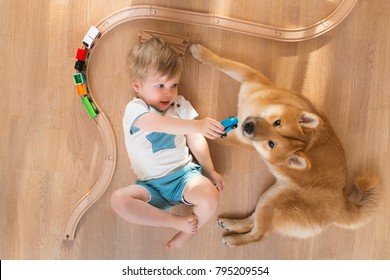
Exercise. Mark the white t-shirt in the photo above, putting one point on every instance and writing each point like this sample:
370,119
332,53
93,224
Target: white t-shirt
155,154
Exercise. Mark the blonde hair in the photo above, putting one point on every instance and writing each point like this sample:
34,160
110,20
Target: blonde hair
153,56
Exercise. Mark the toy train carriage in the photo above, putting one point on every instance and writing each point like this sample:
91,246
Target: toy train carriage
88,42
81,55
89,106
89,39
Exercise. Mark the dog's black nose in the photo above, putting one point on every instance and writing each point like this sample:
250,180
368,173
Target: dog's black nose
249,127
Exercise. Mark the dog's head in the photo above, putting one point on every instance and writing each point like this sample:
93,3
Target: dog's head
281,133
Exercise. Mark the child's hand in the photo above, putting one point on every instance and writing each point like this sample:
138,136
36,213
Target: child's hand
218,181
210,128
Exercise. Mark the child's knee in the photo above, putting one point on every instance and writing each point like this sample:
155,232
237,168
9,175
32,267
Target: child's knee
202,193
211,199
116,201
120,200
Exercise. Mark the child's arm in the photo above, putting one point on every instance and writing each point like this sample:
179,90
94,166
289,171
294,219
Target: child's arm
200,149
208,127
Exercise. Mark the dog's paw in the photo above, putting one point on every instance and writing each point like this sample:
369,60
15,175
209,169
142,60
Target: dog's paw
235,225
229,242
223,224
199,52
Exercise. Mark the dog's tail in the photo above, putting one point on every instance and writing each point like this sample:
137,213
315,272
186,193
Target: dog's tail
362,201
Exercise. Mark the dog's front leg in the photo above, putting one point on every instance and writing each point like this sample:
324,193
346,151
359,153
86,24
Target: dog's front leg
236,225
242,239
261,226
238,71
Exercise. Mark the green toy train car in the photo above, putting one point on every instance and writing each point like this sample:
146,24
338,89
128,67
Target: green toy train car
91,109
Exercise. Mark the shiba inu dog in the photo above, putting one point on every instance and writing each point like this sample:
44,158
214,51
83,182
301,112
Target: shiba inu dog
303,153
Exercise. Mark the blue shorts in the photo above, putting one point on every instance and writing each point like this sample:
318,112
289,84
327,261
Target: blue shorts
167,191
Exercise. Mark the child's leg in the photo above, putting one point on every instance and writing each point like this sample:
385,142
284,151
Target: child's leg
130,204
204,196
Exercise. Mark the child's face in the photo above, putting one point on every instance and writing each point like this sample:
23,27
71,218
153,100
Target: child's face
158,91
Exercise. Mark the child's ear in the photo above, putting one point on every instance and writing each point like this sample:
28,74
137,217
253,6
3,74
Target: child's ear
298,161
136,85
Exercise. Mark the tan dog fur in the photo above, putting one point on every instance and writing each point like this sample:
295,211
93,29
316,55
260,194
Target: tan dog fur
303,153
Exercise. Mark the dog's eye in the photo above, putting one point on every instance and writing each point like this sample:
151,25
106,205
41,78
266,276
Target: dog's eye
271,144
277,123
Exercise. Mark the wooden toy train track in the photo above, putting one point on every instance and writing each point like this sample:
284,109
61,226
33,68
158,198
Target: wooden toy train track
179,44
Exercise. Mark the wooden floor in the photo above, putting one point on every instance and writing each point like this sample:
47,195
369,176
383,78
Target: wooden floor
51,151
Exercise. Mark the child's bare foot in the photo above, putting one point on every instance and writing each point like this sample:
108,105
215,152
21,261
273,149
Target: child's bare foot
179,240
187,224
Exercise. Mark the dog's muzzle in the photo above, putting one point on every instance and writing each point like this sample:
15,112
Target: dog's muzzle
248,127
255,128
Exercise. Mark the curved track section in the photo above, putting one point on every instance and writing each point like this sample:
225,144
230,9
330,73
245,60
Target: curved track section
230,24
109,144
185,17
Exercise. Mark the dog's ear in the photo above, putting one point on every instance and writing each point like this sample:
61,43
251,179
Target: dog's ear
310,121
298,161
